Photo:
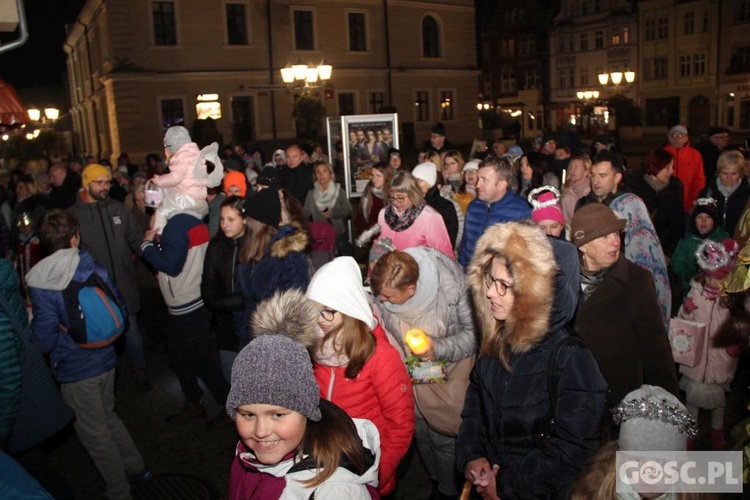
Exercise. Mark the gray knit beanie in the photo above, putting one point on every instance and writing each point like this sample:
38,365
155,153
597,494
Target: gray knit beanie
175,138
274,370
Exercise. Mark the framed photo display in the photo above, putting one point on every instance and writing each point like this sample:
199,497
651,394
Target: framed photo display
335,145
366,141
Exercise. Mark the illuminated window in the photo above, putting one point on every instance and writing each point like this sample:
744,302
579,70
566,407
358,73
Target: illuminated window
208,106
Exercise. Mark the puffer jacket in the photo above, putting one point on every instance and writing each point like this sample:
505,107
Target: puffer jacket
11,347
110,233
506,406
283,266
46,281
718,364
688,167
382,394
219,287
455,338
480,216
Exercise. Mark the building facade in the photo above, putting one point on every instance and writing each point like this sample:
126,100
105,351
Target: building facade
733,54
136,67
679,63
590,38
515,63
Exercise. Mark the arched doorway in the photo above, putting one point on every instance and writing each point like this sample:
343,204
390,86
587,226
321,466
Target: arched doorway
699,115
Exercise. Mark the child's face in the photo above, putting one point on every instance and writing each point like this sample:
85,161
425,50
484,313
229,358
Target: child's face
329,319
271,432
713,281
551,227
704,223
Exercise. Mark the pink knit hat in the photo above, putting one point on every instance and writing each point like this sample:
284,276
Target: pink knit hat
546,205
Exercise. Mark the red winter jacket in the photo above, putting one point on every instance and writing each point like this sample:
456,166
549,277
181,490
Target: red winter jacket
381,393
688,167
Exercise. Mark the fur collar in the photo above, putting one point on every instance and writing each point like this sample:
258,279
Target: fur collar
291,238
532,266
288,313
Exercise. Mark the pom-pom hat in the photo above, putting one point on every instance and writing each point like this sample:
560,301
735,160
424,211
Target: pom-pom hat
274,370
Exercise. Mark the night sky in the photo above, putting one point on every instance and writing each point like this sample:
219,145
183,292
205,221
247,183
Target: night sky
40,62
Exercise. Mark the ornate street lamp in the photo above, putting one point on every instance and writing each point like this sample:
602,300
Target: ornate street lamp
300,74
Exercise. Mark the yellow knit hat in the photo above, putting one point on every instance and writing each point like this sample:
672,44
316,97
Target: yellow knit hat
93,171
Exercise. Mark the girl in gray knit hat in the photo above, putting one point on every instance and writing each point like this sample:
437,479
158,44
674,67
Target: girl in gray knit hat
293,445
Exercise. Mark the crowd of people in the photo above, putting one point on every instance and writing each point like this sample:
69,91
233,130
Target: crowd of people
437,320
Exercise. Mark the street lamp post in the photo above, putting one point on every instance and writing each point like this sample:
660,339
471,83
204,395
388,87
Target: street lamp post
299,75
616,77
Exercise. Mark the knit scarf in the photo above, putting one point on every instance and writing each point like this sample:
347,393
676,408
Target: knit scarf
325,198
471,189
405,220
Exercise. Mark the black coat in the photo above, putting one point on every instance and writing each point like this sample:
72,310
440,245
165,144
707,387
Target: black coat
64,196
219,287
297,181
728,210
664,207
447,211
504,410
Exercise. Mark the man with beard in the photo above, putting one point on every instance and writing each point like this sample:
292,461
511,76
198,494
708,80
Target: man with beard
110,234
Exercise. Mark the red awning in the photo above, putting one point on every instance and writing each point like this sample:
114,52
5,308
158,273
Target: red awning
12,111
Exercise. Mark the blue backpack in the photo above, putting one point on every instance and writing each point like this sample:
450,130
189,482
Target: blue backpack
94,318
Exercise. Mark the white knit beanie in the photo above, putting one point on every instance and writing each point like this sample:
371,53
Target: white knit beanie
338,285
652,419
426,171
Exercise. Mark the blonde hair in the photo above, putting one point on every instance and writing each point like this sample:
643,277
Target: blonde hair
405,183
586,164
478,142
326,164
456,155
728,159
432,156
257,237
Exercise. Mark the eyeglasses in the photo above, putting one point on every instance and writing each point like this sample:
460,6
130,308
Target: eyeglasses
398,199
501,287
327,314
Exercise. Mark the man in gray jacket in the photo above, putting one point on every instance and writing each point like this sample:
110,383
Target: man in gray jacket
111,235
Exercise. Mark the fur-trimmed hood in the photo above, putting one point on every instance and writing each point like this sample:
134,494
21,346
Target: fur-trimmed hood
532,265
290,238
288,313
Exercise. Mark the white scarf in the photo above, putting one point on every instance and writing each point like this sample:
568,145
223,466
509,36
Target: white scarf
325,198
328,353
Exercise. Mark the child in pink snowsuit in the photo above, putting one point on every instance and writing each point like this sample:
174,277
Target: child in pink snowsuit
185,186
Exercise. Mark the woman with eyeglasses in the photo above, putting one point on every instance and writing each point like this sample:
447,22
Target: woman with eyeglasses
407,221
423,288
522,437
356,367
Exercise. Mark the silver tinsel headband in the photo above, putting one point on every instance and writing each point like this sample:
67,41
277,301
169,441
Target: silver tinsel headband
656,410
543,204
711,256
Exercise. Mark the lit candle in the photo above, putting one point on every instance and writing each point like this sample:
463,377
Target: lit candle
418,341
563,178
